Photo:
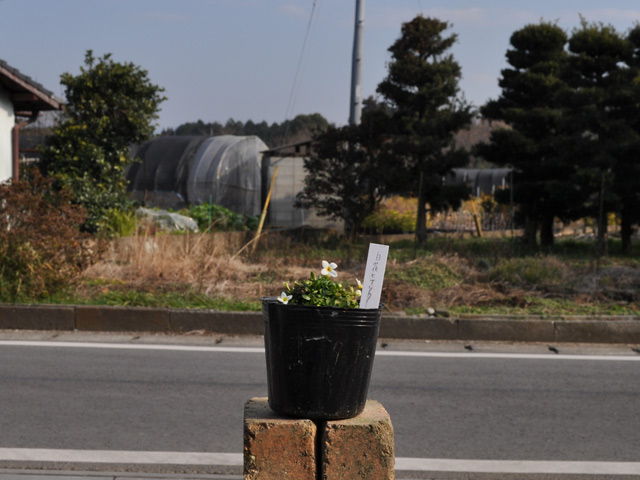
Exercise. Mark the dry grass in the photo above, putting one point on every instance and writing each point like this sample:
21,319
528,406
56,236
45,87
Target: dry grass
162,262
204,263
209,265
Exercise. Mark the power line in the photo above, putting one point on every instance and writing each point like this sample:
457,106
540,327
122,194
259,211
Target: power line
299,68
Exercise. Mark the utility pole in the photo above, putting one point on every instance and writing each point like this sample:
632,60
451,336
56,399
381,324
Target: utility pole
355,111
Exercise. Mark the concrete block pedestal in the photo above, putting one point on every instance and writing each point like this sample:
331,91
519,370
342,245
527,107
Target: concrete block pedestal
277,447
281,447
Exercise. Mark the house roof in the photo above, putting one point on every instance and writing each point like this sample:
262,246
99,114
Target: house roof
26,94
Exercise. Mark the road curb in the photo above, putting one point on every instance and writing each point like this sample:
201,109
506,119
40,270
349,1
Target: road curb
558,329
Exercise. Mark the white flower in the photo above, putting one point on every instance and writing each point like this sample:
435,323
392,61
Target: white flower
284,298
359,291
329,268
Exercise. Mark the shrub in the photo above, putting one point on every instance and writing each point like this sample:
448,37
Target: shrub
212,217
118,222
41,249
110,106
393,215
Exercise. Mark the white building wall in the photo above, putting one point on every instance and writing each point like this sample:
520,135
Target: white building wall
290,181
7,121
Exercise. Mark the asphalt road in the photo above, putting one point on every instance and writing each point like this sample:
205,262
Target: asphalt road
454,403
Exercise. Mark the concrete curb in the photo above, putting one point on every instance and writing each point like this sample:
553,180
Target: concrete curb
535,329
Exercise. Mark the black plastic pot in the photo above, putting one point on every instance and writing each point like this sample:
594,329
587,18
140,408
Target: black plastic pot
319,359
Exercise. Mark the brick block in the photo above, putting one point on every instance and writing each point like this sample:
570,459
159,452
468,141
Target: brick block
277,447
359,448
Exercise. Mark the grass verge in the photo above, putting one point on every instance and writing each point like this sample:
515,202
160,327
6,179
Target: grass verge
480,276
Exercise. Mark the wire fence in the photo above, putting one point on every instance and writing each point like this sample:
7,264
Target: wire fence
463,221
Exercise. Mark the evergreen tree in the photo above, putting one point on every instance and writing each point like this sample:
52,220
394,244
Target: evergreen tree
110,106
422,91
601,118
531,143
628,171
346,172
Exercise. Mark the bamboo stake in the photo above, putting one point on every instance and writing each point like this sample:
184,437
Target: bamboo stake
264,209
476,219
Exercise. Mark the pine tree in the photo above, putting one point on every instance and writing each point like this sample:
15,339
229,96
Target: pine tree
528,105
421,90
602,119
628,172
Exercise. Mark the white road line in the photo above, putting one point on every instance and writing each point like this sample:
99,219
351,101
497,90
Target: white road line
519,356
119,456
380,353
132,346
236,459
518,467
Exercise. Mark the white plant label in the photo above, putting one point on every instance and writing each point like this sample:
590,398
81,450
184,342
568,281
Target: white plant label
374,275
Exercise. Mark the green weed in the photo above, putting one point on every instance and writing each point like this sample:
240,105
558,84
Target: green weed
171,299
212,217
118,223
426,273
528,272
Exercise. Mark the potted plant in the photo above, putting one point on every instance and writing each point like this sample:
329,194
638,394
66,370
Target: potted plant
319,347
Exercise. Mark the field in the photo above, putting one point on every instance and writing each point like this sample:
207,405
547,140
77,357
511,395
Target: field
452,275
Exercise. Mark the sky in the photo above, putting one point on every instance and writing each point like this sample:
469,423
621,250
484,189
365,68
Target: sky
269,60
